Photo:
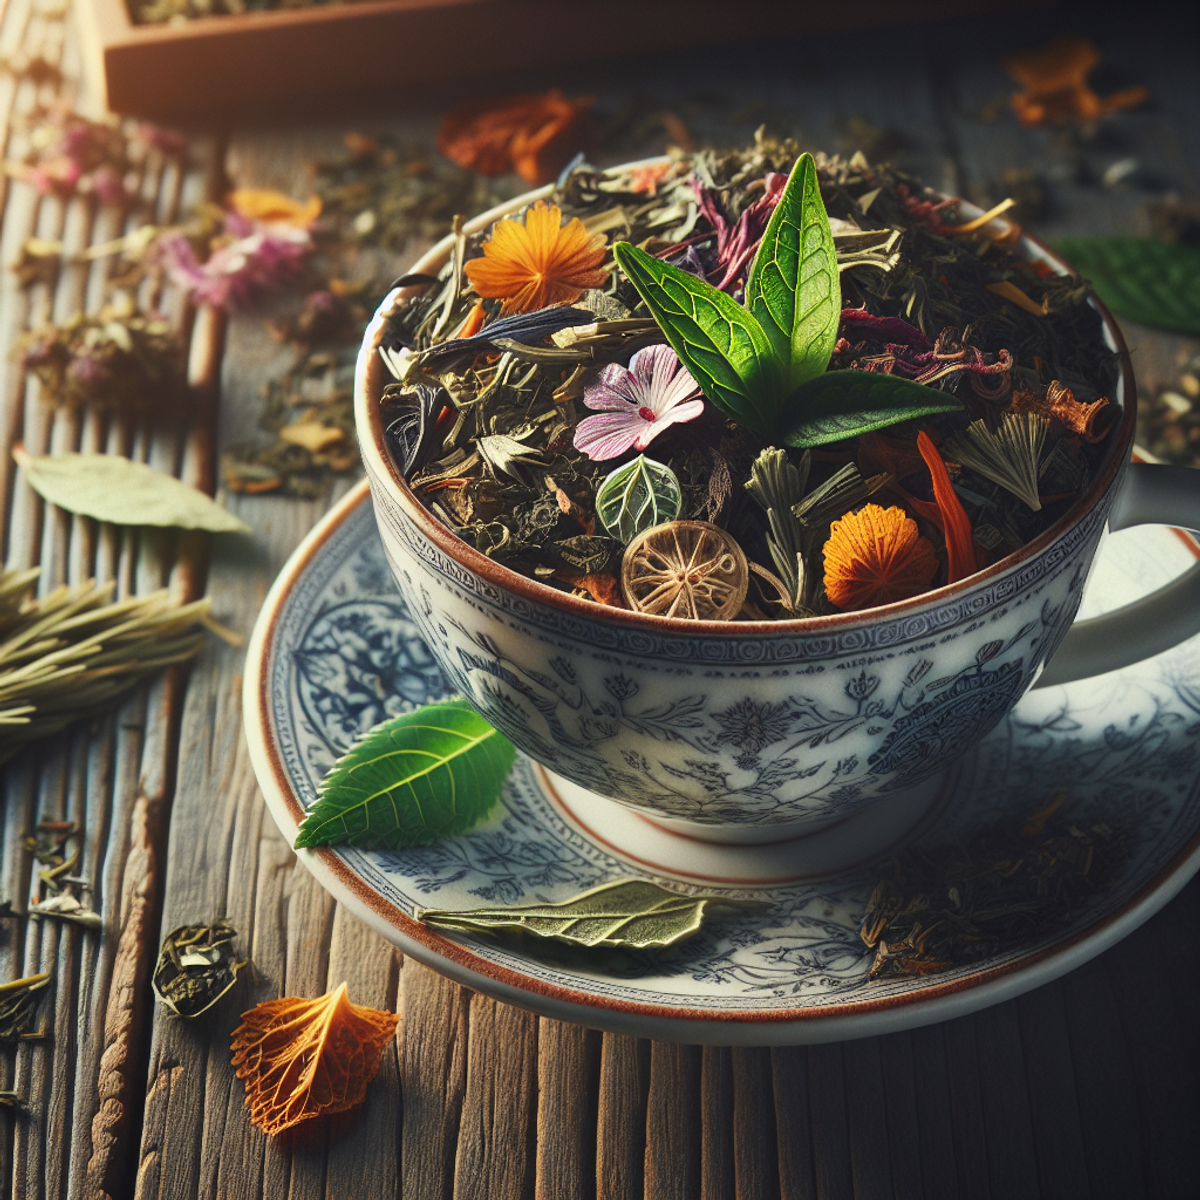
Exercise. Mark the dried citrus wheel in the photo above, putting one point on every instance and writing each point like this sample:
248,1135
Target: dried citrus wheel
688,569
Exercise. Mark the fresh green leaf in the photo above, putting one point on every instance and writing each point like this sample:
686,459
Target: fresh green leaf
414,779
843,404
1157,283
719,342
641,494
793,288
110,488
633,913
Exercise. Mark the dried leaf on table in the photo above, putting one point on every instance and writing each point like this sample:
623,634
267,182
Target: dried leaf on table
107,487
308,1058
196,967
19,1001
634,913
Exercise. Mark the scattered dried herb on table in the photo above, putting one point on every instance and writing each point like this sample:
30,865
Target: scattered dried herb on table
942,328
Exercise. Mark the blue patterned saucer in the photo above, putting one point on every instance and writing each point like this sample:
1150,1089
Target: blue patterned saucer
335,652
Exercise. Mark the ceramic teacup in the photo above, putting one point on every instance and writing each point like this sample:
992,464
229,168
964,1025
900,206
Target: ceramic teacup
755,731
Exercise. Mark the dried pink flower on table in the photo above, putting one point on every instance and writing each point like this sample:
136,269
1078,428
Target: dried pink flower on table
638,403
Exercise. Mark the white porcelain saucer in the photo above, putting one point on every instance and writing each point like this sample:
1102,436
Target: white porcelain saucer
334,653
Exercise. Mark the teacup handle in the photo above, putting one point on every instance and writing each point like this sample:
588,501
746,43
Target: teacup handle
1151,494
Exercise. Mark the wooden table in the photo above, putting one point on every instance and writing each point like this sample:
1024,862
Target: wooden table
1086,1087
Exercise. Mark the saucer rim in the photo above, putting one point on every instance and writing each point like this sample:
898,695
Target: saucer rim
934,1001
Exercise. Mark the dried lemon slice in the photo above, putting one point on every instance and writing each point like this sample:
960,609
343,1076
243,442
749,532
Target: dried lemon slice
687,569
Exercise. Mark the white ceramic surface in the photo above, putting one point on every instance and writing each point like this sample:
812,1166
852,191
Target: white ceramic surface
336,651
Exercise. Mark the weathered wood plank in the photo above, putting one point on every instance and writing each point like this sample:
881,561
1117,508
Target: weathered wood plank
899,1100
867,1117
621,1120
673,1122
499,1113
827,1122
717,1174
568,1074
966,1108
756,1157
790,1093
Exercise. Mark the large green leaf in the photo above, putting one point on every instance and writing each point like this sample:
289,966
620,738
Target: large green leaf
793,288
631,912
637,496
719,342
843,404
414,779
1157,283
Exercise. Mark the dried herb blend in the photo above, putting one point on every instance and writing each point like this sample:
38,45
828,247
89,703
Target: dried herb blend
908,364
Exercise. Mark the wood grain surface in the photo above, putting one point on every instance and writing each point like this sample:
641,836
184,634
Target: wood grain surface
1087,1087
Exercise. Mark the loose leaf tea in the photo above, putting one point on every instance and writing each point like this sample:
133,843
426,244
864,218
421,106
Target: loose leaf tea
414,779
633,913
107,487
308,1058
196,967
19,1002
787,335
1157,283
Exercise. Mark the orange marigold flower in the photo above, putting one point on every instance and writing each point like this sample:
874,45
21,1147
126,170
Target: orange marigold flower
532,135
875,556
539,262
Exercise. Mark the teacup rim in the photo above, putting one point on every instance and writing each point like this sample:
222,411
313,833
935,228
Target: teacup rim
382,468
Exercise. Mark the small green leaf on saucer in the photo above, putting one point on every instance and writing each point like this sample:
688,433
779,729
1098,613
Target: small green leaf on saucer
633,913
425,775
1157,283
844,404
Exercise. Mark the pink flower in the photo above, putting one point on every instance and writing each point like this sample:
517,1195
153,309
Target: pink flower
640,403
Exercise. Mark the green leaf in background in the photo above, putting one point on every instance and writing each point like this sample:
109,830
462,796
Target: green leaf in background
1157,283
842,404
641,494
414,779
719,342
634,913
793,288
110,488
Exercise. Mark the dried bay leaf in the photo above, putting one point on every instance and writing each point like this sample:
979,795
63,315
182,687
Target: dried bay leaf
633,913
304,1058
419,777
109,488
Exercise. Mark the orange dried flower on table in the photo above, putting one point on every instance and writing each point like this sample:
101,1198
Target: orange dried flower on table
307,1058
875,556
1054,77
538,262
262,204
532,135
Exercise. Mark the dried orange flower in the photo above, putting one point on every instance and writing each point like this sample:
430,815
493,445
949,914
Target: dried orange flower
875,556
538,262
1054,77
262,204
306,1058
532,135
960,541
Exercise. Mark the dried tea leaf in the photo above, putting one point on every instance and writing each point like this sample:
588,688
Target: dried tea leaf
1011,456
123,492
641,494
633,913
414,779
18,1004
65,907
196,967
1157,283
844,404
307,1058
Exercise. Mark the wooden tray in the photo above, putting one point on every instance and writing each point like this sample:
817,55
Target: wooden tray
215,64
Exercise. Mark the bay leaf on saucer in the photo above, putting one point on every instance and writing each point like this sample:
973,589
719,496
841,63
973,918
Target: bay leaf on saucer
630,912
110,488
